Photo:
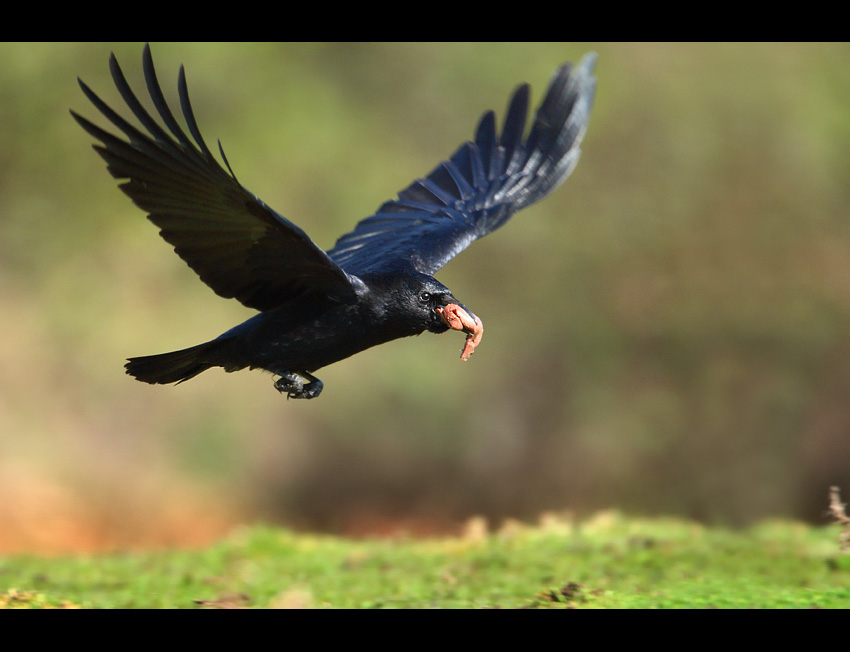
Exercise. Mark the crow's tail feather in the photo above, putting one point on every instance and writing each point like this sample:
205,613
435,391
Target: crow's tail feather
174,367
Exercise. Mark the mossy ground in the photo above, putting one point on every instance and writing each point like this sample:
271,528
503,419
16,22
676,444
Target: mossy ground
606,562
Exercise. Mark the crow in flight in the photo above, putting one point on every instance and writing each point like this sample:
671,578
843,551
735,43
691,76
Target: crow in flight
317,307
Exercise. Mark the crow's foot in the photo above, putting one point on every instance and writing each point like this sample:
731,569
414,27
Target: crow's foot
293,385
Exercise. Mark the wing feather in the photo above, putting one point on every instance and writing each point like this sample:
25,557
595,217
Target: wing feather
482,185
238,246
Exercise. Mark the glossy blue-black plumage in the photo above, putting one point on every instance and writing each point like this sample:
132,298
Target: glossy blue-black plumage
239,246
482,185
375,284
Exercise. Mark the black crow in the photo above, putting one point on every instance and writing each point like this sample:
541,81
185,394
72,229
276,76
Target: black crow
317,307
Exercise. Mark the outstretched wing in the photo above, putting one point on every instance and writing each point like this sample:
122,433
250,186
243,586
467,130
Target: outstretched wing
239,246
483,184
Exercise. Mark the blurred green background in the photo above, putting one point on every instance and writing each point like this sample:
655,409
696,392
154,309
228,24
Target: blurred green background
666,334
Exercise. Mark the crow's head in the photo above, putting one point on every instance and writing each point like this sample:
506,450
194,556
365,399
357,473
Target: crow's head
418,302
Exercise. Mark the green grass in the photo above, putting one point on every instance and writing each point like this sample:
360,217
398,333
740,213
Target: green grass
606,562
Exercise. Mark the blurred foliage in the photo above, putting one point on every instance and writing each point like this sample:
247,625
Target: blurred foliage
667,333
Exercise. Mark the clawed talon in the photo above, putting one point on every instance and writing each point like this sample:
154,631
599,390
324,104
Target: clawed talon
293,385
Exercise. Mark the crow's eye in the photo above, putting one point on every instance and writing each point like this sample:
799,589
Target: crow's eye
425,297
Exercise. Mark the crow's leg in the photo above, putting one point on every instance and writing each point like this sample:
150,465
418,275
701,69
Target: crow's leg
293,384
